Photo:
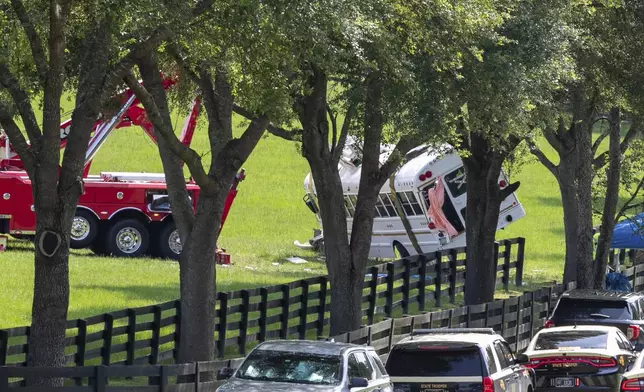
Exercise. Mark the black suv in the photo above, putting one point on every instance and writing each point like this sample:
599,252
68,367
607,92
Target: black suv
624,310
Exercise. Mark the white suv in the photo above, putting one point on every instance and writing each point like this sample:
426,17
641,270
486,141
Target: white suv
457,359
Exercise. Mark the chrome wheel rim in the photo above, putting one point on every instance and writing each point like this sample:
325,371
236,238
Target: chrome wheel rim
174,242
128,240
80,228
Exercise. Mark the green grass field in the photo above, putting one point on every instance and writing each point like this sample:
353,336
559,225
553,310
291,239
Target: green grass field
268,215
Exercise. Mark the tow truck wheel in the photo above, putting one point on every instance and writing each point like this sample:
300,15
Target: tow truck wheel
128,238
84,229
169,243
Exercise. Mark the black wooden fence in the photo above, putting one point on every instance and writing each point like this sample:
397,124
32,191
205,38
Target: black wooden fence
150,335
197,376
517,319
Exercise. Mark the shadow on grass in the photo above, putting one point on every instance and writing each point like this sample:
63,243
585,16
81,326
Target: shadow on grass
559,231
551,201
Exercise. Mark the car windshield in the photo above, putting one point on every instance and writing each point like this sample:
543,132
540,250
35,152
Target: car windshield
413,362
280,366
584,309
572,339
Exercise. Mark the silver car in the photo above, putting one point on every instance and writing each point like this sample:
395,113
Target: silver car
308,366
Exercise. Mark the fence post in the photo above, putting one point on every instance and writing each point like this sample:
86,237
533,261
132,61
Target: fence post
422,272
503,328
4,346
177,329
221,331
4,377
163,384
107,347
156,336
285,305
622,256
197,378
391,334
322,308
520,260
373,291
263,292
506,264
304,309
438,278
532,321
405,288
243,323
452,275
389,307
131,336
81,342
519,322
100,378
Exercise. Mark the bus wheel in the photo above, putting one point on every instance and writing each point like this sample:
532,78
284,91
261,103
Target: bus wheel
169,242
84,229
399,251
128,238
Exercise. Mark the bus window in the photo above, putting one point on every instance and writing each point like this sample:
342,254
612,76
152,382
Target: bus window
410,203
389,205
380,207
456,182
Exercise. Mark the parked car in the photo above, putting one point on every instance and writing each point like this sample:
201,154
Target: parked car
308,366
456,359
633,379
624,310
580,357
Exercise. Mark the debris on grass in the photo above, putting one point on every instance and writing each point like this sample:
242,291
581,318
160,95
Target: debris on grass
296,260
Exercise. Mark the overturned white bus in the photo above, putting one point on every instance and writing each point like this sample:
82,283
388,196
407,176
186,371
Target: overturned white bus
430,187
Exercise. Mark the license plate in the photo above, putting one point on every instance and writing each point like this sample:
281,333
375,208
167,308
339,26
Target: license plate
563,382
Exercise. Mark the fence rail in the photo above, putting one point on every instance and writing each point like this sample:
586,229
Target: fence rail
517,319
150,335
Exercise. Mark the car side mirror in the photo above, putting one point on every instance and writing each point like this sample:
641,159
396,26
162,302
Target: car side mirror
225,373
358,382
522,358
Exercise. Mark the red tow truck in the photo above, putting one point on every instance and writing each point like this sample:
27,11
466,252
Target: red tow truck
120,214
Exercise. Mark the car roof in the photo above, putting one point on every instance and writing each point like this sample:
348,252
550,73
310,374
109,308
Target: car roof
318,347
477,336
607,295
568,328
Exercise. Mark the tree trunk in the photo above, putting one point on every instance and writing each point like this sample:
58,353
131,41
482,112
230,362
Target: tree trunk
51,295
198,289
482,217
484,197
566,172
584,245
345,280
610,203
